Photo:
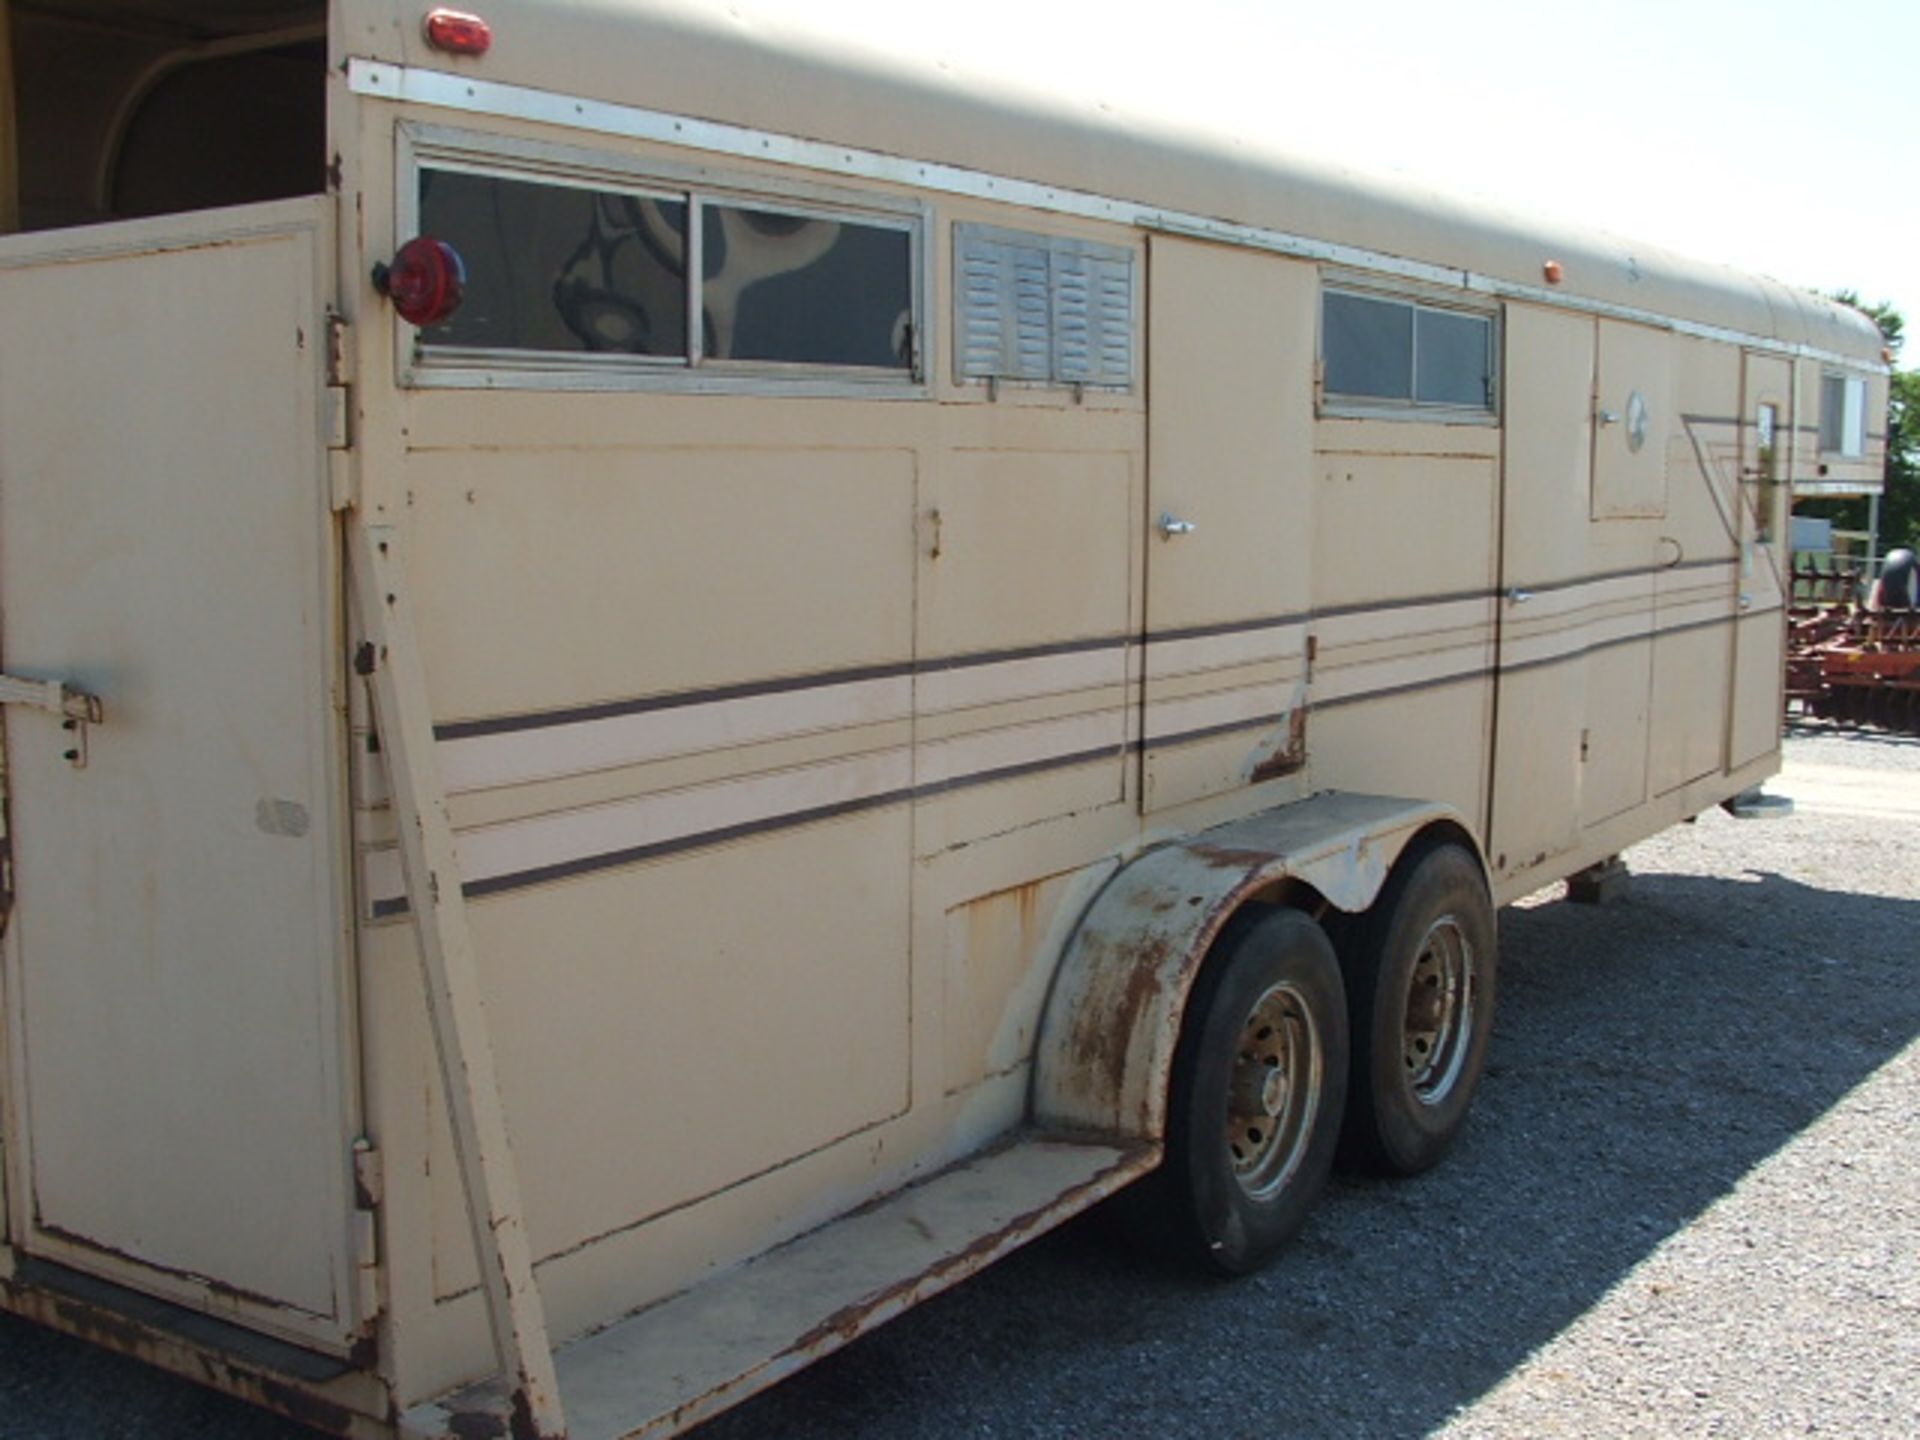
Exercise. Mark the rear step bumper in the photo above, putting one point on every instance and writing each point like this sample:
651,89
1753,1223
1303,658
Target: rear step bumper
679,1362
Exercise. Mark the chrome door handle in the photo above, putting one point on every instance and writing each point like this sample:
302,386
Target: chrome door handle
1609,417
1517,596
1172,525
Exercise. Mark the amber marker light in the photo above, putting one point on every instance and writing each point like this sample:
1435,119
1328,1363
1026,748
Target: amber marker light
458,33
1555,272
426,281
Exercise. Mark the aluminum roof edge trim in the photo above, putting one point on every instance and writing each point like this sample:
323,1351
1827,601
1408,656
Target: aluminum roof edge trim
411,84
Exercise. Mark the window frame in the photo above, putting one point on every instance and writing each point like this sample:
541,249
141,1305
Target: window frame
423,366
1335,405
1851,384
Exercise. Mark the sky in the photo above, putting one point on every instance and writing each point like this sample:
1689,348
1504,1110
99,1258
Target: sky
1782,138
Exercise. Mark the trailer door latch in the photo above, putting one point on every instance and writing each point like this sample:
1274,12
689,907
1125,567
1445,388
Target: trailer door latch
76,709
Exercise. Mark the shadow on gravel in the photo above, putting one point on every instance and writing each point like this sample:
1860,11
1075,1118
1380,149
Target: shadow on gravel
1646,1057
1805,727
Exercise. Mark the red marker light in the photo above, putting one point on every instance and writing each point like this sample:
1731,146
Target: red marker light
425,281
458,33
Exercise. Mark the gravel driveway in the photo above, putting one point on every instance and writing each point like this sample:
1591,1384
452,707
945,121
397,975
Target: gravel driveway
1688,1204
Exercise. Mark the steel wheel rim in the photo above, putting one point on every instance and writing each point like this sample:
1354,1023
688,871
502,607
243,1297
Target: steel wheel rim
1437,1027
1273,1091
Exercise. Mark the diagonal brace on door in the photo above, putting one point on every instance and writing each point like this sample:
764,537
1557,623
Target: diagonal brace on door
461,1037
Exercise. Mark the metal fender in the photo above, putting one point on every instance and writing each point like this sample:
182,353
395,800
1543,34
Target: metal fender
1113,1019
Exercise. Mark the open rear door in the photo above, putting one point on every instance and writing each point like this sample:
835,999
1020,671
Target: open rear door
179,1095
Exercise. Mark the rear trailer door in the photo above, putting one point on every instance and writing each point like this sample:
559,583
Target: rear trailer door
179,1096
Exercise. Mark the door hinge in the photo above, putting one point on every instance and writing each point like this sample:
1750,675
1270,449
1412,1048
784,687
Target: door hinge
342,494
369,1184
339,356
75,708
338,419
369,1179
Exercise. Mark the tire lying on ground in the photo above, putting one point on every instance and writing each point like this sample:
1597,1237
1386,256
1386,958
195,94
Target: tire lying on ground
1420,977
1259,1082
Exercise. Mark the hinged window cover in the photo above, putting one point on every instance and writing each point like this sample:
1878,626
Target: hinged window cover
1043,309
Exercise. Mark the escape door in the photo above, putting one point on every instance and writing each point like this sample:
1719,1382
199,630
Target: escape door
1229,520
174,948
1538,739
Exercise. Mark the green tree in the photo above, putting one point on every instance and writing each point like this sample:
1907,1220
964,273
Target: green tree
1900,505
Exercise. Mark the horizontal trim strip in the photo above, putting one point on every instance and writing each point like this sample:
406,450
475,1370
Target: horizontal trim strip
500,758
386,902
1214,711
1334,681
1644,636
470,95
633,855
750,689
388,906
1228,627
614,709
1549,587
520,880
1437,682
1495,672
1208,732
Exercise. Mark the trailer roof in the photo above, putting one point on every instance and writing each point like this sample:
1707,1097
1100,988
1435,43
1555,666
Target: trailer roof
773,68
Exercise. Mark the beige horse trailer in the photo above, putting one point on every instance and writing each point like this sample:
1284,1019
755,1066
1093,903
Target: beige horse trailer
667,682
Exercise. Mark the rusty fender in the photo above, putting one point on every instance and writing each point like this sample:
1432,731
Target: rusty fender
1113,1019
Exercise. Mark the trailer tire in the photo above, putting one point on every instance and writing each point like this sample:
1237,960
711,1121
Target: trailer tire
1420,971
1258,1085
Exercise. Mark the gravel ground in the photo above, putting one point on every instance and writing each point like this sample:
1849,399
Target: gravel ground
1687,1205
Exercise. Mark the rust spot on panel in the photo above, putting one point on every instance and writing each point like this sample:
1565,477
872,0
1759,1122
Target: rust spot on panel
1027,897
522,1426
180,1356
1221,857
851,1321
1107,1030
365,1351
1291,757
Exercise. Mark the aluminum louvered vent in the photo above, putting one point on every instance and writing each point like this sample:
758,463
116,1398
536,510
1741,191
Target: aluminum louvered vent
1044,309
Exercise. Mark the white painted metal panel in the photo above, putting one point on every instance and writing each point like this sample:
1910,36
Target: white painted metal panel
174,952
